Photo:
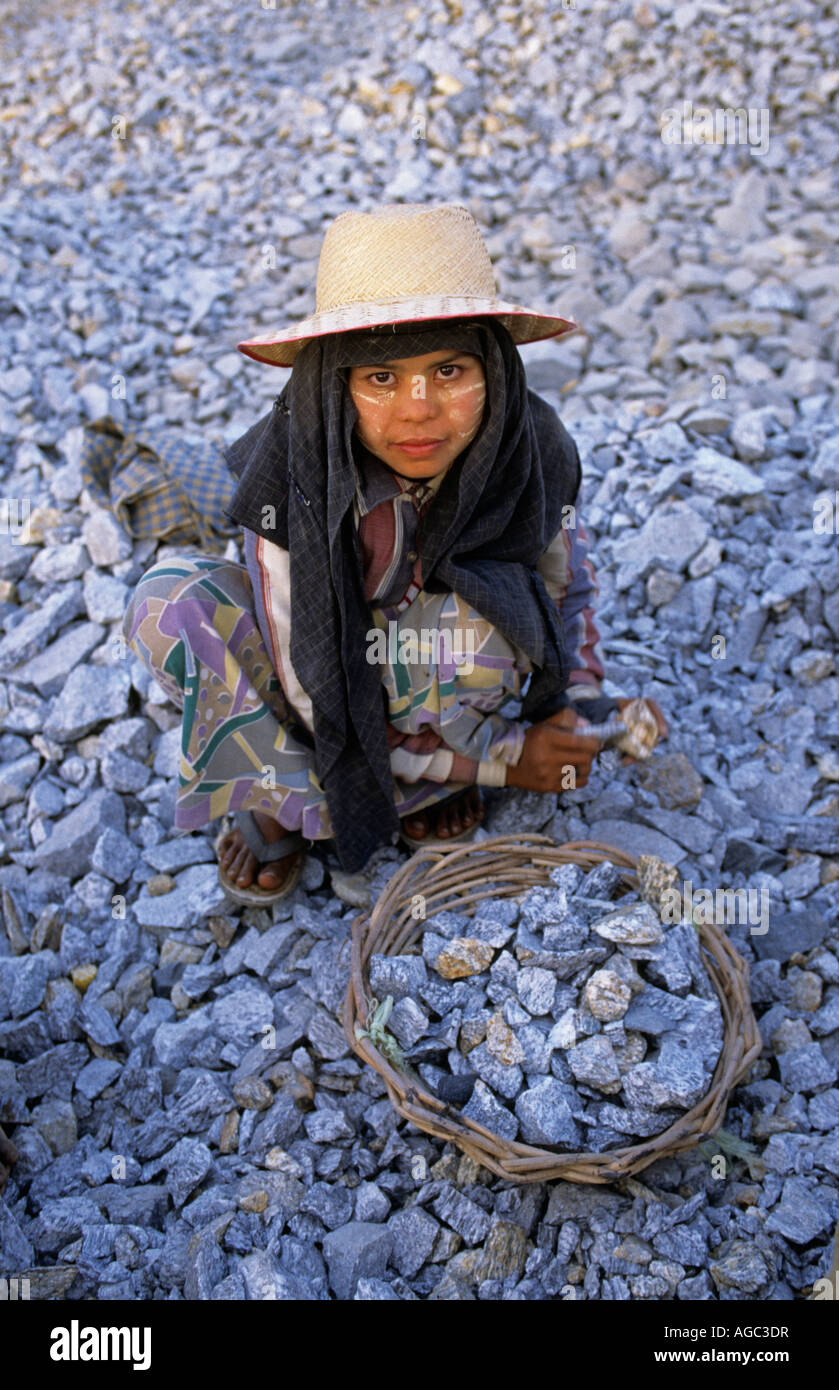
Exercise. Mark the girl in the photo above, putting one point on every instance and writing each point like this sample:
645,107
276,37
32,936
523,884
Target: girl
412,557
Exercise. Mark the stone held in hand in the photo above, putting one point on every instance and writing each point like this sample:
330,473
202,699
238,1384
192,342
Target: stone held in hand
634,731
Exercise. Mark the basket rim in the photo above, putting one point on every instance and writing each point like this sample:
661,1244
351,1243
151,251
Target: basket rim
536,854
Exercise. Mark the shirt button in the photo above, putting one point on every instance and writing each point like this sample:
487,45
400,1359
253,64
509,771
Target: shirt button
412,555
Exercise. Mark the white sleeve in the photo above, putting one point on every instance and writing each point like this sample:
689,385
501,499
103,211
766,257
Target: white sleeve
275,578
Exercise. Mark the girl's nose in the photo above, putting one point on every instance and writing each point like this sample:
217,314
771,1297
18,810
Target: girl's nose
416,402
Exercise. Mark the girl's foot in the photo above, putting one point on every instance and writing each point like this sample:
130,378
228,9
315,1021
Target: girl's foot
241,864
448,819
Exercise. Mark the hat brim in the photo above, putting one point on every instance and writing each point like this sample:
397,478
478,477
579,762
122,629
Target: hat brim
279,349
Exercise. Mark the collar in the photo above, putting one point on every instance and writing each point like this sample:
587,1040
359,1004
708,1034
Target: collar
376,483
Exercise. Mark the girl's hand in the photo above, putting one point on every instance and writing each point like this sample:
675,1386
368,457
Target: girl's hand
550,748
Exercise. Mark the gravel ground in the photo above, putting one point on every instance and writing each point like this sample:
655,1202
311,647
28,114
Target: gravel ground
167,174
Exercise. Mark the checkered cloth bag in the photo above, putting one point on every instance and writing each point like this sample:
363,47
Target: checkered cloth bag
159,484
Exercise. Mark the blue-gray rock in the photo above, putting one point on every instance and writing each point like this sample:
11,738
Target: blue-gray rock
359,1249
504,1078
460,1213
267,947
503,912
98,1024
192,1114
24,1037
637,839
13,1107
26,977
741,1266
537,1047
198,979
718,476
16,1247
33,632
823,1111
487,1110
53,1071
371,1204
375,1291
685,1244
332,1204
187,1165
114,855
61,1220
16,777
678,1079
826,1019
413,1232
804,1212
231,1289
174,1043
826,1155
243,1015
89,696
398,976
668,539
265,1279
67,848
96,1076
654,1011
197,894
545,1114
593,1062
668,964
123,774
789,932
327,1126
56,1121
141,1206
105,597
806,1068
407,1022
303,1261
536,989
179,853
63,1010
105,1165
637,1122
48,671
448,925
204,1264
277,1128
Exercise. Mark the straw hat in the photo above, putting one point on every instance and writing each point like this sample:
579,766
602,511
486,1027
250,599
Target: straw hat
402,263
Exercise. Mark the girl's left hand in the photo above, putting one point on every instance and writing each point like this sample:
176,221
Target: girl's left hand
659,719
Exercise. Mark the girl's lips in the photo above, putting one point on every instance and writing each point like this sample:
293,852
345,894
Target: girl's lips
420,450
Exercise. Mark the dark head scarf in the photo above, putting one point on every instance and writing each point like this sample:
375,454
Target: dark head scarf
496,511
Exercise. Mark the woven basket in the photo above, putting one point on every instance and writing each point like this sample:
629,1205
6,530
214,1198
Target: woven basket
457,879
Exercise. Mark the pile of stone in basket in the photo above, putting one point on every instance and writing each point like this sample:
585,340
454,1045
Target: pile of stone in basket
560,1019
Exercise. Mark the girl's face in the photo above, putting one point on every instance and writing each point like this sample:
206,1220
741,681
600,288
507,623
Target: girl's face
417,414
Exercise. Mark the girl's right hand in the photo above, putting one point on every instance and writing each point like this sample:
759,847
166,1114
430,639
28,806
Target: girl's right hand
550,748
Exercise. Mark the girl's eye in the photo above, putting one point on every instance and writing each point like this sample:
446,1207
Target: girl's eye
450,371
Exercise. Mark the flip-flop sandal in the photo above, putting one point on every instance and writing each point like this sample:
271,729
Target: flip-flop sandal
266,853
440,841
